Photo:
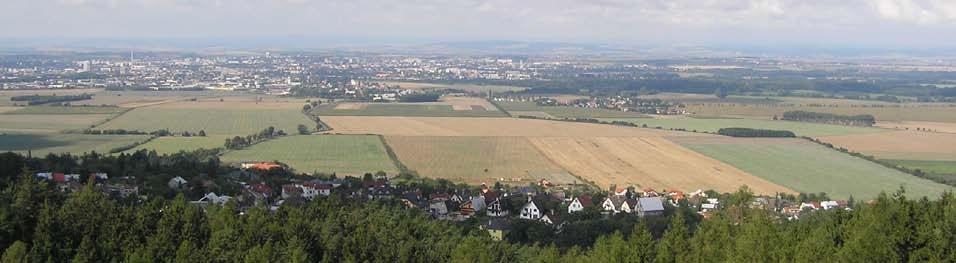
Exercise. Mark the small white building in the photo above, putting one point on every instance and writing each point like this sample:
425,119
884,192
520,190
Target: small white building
530,211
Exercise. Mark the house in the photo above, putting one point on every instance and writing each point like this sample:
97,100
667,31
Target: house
497,228
554,220
260,166
530,211
457,198
439,197
649,192
291,191
438,208
378,188
497,207
176,183
311,190
59,177
579,204
627,206
649,206
613,203
120,190
212,198
261,188
100,176
45,176
810,206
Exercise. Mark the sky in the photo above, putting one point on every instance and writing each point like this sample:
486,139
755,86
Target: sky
885,23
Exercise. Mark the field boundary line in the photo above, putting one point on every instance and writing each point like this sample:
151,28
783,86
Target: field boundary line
492,102
394,157
537,149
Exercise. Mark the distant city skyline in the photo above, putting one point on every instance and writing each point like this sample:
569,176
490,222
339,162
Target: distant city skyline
917,24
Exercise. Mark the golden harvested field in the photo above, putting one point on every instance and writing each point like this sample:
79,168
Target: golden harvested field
452,126
894,112
913,125
905,145
647,162
477,159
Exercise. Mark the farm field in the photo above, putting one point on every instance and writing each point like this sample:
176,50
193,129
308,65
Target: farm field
941,170
807,167
442,126
903,145
5,95
460,86
477,160
712,125
566,112
216,118
647,162
48,123
341,154
65,110
42,144
893,112
405,109
913,125
170,145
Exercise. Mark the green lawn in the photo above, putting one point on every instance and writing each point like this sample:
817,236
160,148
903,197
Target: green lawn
944,170
215,121
66,110
170,145
41,144
811,168
422,110
343,154
567,112
712,125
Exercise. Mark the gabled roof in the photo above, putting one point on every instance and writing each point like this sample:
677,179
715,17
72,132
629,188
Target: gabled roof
585,200
651,203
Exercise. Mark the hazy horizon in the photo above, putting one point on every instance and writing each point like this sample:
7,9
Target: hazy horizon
867,23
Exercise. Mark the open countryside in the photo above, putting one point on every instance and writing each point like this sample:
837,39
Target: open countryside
340,154
807,167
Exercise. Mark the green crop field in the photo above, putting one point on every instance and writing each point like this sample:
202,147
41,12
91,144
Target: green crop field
712,125
411,110
31,123
219,121
943,170
343,154
170,145
567,112
66,110
811,168
41,144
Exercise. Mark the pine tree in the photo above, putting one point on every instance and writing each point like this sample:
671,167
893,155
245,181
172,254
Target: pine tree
673,245
642,243
16,253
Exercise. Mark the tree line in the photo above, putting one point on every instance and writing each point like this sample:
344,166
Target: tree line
748,132
239,142
829,118
45,99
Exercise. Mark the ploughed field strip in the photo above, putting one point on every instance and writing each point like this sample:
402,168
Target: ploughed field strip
477,159
808,167
904,145
647,162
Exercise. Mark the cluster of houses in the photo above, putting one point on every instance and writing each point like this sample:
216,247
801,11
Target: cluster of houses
498,208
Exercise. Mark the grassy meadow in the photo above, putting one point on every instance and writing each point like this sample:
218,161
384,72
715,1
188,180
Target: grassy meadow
42,144
215,119
808,167
342,154
170,145
713,124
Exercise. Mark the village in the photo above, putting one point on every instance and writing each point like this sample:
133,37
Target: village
495,207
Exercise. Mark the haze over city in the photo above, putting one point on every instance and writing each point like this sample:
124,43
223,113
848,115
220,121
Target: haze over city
913,24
